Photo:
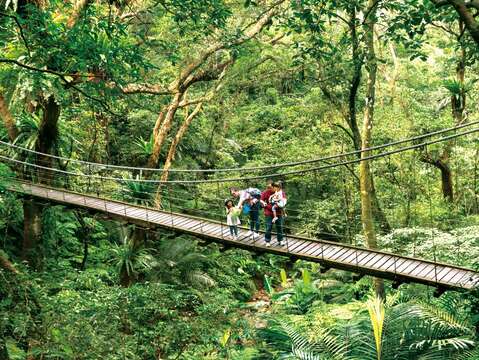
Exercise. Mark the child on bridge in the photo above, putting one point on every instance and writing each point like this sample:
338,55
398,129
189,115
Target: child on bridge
232,218
277,200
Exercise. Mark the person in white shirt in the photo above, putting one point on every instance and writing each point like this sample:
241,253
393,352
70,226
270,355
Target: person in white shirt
249,200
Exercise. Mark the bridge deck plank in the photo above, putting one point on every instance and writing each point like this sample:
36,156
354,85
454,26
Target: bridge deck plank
351,257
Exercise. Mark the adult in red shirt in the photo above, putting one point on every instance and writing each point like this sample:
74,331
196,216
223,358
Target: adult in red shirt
268,215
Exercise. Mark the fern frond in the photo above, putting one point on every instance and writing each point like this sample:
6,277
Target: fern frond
440,319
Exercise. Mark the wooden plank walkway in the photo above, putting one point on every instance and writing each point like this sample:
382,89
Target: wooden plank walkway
329,254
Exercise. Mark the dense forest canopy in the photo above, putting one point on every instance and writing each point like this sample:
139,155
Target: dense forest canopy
187,89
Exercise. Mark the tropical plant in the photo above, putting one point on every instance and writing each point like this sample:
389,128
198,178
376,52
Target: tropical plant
178,260
144,148
136,192
386,331
29,127
131,259
301,296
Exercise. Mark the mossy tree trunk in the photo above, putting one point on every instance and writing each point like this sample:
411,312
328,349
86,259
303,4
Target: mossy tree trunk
365,175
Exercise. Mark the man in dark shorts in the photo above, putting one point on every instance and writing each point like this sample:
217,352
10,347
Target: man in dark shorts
268,214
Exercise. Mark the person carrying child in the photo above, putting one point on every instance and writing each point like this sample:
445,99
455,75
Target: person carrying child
277,200
249,202
232,218
269,215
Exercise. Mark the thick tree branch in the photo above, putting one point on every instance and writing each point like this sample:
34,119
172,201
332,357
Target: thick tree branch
372,6
463,10
467,17
469,4
182,130
22,35
248,34
145,89
64,77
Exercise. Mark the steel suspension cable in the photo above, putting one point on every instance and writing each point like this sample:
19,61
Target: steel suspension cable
244,169
223,180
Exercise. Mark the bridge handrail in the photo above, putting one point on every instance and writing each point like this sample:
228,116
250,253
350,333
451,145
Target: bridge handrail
327,242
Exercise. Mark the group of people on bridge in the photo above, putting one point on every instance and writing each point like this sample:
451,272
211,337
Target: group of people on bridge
250,201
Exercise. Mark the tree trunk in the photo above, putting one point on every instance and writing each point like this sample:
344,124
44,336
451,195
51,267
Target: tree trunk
8,120
174,144
32,232
458,100
163,125
365,175
358,60
32,211
395,73
446,179
172,151
378,212
47,137
458,106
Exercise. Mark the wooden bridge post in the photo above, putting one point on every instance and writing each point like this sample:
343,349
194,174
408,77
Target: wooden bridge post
395,266
89,178
171,209
218,196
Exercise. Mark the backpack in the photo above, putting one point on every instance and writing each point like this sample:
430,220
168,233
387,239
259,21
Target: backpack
254,192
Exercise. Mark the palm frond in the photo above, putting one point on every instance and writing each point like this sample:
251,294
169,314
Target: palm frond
441,320
199,279
325,344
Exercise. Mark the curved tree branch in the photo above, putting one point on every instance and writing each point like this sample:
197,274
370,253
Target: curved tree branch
21,30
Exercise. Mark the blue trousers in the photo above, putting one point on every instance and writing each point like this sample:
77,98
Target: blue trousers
269,228
254,217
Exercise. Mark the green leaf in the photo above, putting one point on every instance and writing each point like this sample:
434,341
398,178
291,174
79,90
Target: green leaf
267,285
14,352
306,277
284,278
226,336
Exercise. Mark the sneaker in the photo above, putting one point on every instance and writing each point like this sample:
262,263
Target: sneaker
255,234
280,243
235,238
268,244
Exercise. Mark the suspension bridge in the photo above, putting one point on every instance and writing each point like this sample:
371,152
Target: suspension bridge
125,194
